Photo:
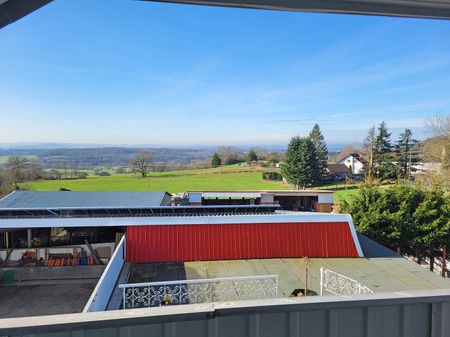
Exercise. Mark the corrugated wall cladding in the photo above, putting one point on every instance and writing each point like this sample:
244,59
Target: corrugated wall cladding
168,243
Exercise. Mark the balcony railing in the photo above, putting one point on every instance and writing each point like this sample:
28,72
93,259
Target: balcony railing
155,294
341,285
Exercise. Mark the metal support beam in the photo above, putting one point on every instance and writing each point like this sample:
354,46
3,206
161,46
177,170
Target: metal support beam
405,8
29,237
13,10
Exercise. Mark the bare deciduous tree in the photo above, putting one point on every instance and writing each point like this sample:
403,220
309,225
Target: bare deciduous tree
437,148
348,149
6,182
141,162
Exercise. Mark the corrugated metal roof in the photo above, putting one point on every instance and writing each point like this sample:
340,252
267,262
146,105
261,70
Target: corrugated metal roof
71,199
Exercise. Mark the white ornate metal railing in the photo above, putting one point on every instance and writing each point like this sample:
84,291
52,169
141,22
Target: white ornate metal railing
155,294
341,285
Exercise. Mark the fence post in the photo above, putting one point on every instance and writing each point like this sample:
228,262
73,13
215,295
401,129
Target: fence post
276,286
123,292
321,281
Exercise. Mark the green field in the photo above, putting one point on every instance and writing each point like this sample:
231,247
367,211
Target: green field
233,177
173,182
341,195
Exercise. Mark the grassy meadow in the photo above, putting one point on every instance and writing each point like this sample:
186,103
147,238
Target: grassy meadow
233,177
173,182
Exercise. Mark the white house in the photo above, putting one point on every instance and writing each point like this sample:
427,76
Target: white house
354,162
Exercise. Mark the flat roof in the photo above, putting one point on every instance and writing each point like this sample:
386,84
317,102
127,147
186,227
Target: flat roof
382,270
77,199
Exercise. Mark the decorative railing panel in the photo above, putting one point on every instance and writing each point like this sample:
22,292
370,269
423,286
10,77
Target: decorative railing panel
155,294
341,285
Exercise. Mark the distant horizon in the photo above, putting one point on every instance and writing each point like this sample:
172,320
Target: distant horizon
50,145
421,135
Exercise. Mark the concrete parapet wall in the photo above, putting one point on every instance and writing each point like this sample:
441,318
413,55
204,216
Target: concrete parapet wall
405,314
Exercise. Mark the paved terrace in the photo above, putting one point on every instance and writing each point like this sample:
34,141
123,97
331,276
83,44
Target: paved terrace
48,290
48,299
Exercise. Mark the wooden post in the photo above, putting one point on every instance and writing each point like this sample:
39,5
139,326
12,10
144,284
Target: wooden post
432,257
306,281
444,261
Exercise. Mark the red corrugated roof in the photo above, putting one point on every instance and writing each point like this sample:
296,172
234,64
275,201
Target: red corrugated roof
168,243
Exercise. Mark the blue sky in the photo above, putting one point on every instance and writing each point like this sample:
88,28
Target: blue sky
131,72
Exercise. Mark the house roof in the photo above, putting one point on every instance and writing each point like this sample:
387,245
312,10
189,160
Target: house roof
76,199
337,168
354,155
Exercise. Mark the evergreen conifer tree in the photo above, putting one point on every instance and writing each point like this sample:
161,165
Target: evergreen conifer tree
382,159
300,166
321,152
406,153
216,161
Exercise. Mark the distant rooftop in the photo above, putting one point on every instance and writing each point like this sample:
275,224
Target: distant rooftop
76,199
277,192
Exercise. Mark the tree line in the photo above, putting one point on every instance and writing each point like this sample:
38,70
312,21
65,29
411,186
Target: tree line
412,219
228,155
385,160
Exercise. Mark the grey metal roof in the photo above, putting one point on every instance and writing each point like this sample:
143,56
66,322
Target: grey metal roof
76,199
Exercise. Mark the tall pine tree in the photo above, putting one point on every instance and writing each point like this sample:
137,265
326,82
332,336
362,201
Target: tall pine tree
321,152
406,153
216,161
300,165
382,159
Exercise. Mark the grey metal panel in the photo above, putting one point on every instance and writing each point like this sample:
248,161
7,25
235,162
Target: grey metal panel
311,323
417,319
13,10
384,321
233,326
349,322
273,324
404,8
62,199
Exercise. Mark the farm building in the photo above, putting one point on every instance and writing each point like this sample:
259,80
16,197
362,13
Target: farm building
202,232
293,200
208,260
